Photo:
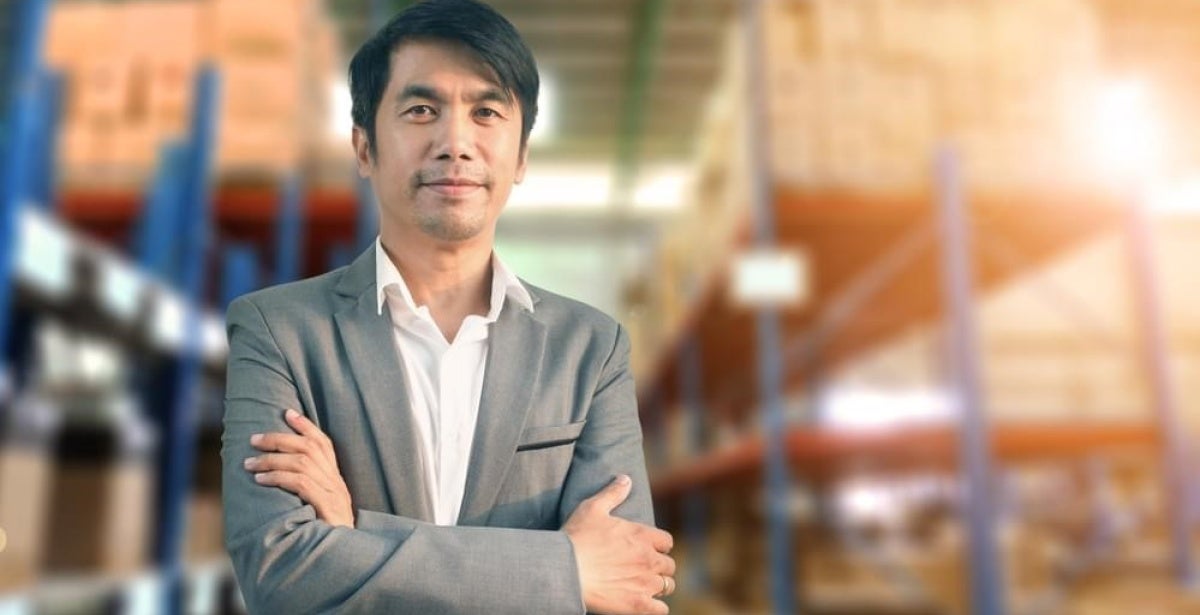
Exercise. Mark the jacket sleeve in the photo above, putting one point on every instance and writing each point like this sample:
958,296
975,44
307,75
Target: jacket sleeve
288,561
611,442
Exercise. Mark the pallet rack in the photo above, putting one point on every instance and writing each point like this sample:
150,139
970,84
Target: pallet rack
150,299
884,264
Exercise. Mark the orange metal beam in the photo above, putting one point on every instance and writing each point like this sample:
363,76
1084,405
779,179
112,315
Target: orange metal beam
819,453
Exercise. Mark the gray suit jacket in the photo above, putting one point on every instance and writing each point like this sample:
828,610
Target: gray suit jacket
557,421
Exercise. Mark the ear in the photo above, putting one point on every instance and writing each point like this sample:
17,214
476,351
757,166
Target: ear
522,159
362,152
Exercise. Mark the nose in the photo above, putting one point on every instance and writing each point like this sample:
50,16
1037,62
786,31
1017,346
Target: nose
456,139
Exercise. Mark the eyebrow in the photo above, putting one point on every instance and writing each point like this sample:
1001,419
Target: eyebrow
418,90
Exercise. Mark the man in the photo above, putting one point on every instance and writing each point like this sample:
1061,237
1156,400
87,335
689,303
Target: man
422,432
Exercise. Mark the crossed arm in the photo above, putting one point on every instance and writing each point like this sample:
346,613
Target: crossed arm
608,550
299,546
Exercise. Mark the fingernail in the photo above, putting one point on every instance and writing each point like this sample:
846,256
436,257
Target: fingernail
256,438
292,414
258,478
623,480
248,463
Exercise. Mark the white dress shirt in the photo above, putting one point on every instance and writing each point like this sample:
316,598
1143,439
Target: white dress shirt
445,379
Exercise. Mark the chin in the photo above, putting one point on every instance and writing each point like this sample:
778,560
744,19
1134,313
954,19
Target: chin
452,230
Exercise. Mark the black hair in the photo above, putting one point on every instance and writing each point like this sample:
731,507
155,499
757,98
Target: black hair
470,23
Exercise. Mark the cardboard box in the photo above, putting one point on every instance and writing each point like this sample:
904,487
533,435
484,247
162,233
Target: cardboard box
169,96
263,29
261,91
24,495
844,28
100,89
101,518
80,31
153,30
205,537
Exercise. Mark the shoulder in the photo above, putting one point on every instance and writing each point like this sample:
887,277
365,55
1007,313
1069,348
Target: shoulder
290,300
576,327
558,311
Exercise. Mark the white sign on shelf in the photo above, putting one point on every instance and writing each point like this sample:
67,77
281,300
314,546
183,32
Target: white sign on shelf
771,278
44,253
169,312
205,592
120,288
15,605
144,595
214,345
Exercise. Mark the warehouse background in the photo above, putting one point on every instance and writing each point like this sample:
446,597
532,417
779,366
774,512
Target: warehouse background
911,283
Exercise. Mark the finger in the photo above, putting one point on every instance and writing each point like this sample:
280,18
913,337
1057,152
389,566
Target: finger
654,585
296,444
289,462
298,484
281,443
290,443
302,424
612,495
661,585
663,564
649,604
662,541
305,427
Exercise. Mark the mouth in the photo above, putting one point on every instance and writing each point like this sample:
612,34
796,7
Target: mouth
452,186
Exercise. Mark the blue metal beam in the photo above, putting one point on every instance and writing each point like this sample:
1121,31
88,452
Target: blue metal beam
159,221
958,295
44,146
695,511
178,419
239,273
289,235
367,220
1155,351
19,129
767,322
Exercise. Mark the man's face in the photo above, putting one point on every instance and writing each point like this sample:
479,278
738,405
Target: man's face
448,144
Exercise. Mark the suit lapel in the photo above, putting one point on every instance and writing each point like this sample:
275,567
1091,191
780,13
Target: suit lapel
514,363
377,368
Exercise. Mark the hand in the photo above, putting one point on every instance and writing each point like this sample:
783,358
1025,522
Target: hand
305,465
623,566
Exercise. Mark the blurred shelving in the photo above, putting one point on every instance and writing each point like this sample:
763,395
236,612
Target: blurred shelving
247,214
850,239
859,97
111,356
820,456
208,589
64,274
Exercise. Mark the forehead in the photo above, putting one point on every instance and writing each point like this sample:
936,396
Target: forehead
438,64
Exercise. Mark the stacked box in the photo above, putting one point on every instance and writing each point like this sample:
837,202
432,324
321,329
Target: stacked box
131,68
24,476
258,46
874,86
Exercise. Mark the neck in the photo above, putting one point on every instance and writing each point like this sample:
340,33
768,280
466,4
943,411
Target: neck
453,279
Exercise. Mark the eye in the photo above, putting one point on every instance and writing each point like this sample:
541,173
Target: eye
488,113
420,111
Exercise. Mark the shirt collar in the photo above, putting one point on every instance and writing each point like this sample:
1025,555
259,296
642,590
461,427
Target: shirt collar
504,284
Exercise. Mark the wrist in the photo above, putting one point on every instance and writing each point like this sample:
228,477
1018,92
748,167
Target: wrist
577,570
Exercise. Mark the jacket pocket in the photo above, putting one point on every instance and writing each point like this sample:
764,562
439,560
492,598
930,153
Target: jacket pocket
546,436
